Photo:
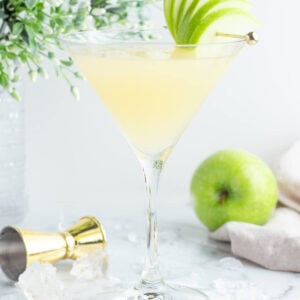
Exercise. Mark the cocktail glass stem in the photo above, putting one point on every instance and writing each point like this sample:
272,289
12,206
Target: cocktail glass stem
151,276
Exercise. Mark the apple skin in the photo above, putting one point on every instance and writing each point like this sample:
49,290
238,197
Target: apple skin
233,185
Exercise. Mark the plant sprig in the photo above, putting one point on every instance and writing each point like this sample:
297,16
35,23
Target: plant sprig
30,30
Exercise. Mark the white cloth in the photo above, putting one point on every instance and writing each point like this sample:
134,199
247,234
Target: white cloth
275,245
287,172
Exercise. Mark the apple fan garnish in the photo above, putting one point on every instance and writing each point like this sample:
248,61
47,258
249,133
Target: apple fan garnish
202,21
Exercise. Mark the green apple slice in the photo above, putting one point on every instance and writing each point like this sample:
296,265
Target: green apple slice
182,8
200,9
226,20
172,10
168,11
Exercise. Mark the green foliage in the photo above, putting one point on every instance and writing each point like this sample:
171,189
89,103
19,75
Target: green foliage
30,30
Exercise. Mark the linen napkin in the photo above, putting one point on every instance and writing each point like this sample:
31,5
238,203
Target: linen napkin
275,245
287,172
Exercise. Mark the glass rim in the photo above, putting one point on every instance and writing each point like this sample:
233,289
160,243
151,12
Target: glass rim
67,38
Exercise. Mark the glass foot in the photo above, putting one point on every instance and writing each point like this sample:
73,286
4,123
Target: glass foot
166,292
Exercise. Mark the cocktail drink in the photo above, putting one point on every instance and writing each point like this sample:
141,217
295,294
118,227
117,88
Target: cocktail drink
152,89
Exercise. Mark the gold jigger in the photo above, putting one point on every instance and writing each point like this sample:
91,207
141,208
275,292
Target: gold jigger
20,248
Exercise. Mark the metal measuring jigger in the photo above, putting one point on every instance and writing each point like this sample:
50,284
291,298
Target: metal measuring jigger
20,248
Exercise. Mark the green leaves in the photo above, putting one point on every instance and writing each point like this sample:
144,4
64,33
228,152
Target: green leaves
30,30
4,80
29,34
31,3
98,3
67,63
17,28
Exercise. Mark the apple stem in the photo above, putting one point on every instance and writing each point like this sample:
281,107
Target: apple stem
223,197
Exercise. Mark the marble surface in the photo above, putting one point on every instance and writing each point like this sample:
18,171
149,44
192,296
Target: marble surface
187,256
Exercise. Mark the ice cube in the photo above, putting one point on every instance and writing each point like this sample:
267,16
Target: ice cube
231,263
91,265
40,281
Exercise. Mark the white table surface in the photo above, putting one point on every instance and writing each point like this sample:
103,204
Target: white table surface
186,253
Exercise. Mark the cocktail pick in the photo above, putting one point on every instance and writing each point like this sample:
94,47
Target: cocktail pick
19,248
250,38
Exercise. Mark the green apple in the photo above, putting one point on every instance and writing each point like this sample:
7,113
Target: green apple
233,185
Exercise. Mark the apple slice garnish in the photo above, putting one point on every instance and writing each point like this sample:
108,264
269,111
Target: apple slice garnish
171,8
225,20
192,21
168,11
174,10
200,9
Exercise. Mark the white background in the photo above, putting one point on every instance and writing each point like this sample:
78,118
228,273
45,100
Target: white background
76,154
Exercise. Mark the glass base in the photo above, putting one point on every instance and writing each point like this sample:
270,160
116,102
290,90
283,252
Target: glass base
165,292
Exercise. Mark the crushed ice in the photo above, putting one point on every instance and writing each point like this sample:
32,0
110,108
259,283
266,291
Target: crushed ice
40,281
91,266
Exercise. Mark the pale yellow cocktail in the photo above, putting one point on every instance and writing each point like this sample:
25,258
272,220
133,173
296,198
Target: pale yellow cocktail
152,93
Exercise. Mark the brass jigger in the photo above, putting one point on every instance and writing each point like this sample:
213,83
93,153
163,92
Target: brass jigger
20,248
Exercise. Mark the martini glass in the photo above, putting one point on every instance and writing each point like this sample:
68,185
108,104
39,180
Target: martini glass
152,88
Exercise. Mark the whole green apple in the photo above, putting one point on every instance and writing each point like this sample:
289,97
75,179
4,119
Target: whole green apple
233,185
